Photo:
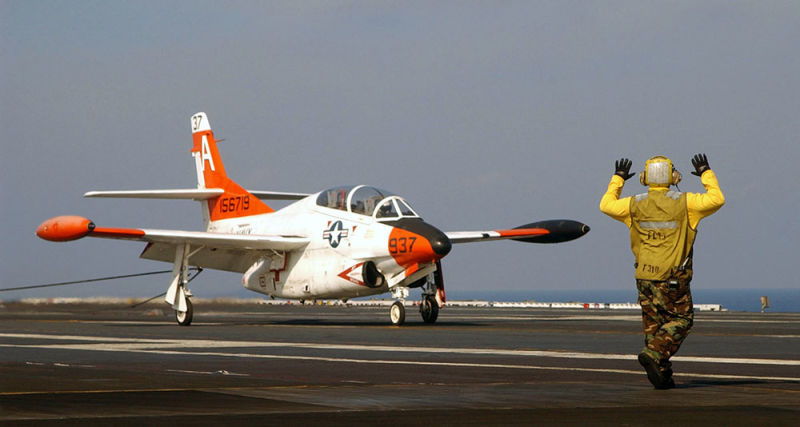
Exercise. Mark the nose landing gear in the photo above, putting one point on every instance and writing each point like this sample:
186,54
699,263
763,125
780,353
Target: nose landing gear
433,298
397,313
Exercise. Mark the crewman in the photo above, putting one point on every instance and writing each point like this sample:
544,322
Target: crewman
663,225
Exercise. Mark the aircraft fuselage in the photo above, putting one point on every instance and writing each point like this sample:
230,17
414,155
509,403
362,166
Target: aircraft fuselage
403,249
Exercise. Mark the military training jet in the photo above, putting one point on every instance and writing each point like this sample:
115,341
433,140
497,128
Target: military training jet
340,243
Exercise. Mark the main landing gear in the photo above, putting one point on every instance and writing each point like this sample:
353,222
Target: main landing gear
432,295
178,294
429,309
184,318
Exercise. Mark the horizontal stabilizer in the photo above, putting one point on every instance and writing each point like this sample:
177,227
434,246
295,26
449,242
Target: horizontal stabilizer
191,194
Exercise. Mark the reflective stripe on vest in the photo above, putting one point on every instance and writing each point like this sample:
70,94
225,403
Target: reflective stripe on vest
660,234
658,224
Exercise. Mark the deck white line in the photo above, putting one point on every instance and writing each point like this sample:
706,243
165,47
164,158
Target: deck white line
115,348
137,344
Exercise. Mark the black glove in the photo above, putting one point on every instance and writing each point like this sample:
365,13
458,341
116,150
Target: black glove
623,166
700,163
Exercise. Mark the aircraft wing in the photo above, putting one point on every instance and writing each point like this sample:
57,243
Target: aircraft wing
214,250
191,194
202,238
549,231
481,236
229,252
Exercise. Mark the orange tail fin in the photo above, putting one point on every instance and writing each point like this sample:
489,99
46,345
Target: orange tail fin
235,202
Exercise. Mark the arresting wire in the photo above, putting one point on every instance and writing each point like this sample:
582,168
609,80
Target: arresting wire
99,279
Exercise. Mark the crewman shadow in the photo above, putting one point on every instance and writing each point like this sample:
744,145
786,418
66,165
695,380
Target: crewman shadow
717,383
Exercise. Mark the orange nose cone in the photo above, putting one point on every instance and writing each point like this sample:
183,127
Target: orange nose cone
65,228
424,244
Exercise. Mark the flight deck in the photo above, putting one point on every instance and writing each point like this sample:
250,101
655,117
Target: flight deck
101,364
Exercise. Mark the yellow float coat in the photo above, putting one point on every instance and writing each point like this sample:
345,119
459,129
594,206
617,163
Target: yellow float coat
662,236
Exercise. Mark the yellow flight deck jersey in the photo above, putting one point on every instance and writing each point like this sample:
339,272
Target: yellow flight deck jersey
663,223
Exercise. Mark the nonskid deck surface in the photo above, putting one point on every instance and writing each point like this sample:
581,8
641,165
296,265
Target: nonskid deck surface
329,365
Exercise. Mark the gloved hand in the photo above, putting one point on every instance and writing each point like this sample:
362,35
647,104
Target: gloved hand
623,168
700,163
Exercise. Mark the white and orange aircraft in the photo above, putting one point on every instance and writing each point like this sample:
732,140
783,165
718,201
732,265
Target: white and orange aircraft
340,243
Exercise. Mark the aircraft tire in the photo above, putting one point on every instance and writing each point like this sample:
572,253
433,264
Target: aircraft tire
184,318
429,309
397,313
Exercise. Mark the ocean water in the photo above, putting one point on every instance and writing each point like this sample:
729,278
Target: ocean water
781,300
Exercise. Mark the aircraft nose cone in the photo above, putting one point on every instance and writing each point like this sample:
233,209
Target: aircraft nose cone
440,243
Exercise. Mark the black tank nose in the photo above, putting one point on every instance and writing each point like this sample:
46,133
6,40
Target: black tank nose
439,242
561,230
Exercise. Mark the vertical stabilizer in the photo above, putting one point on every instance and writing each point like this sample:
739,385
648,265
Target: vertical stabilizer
235,202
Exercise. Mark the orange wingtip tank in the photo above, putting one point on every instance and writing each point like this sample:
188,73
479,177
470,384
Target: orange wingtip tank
65,228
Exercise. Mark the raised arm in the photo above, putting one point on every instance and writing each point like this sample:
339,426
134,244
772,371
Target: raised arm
701,205
611,204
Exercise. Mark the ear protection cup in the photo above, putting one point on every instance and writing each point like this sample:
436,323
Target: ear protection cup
643,177
676,177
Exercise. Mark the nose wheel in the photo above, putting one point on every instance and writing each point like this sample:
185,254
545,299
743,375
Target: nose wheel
397,313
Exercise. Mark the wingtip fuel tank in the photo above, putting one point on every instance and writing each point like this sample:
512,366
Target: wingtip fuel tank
560,230
65,228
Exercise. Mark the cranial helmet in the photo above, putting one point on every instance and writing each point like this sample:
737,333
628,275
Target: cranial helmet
658,172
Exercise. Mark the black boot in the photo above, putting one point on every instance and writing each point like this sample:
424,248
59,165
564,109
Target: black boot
660,379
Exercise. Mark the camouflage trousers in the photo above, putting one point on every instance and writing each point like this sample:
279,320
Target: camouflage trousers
667,317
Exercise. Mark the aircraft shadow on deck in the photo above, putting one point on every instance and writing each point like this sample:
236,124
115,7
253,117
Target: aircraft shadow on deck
346,323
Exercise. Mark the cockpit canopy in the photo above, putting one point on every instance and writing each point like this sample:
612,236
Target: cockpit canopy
364,200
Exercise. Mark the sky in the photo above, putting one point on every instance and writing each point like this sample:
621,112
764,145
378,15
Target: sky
482,114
